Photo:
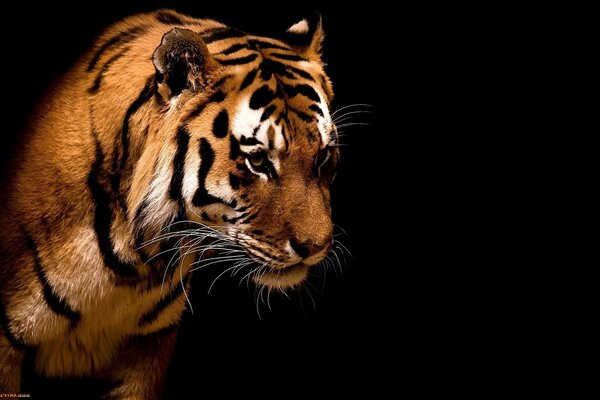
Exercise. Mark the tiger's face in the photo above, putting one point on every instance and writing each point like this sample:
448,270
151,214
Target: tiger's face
269,176
261,156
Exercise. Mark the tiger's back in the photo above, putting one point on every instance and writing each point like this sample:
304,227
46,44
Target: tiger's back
116,154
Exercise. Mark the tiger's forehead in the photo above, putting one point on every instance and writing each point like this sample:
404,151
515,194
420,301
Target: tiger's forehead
271,86
269,126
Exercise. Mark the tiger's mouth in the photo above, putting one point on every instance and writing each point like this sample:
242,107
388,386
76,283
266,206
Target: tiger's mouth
273,274
282,278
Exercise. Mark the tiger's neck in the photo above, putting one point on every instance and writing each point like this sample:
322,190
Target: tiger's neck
116,179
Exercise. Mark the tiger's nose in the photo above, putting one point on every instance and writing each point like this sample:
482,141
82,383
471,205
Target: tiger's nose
306,249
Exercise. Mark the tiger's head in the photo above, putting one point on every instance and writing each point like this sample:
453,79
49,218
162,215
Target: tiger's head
254,146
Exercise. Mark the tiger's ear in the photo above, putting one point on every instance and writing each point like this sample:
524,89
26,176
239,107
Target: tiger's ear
182,61
306,36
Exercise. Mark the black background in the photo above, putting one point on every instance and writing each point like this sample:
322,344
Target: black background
451,197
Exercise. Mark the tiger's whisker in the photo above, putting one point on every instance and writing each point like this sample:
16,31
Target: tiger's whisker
350,106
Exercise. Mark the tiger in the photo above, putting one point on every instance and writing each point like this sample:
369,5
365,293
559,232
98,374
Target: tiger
169,131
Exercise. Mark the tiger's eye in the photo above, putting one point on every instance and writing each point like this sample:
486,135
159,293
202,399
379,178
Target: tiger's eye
257,159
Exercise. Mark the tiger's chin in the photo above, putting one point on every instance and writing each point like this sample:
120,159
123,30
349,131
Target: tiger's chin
282,278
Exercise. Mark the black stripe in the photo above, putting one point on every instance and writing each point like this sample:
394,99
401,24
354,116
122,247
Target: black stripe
266,72
210,31
234,148
261,97
316,109
239,61
196,111
301,73
269,66
234,48
309,92
250,218
288,74
121,38
142,98
282,115
17,344
251,141
248,79
271,141
234,181
168,18
217,97
56,304
290,57
103,216
220,34
221,124
206,217
268,111
221,81
280,93
268,45
98,81
118,170
183,139
233,220
305,90
164,331
207,158
163,303
303,116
